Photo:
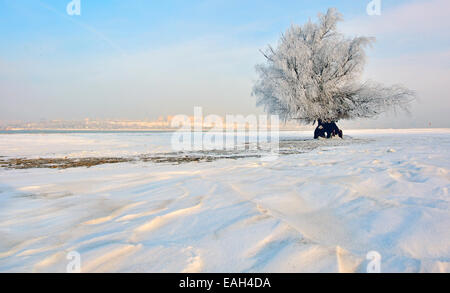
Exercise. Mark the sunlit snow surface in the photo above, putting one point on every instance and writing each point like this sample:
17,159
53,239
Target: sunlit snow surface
320,209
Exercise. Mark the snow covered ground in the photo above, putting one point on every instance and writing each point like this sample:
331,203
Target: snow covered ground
318,211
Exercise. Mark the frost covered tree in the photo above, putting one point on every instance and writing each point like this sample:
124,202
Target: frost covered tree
315,73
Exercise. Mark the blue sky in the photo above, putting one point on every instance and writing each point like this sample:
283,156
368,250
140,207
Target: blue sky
140,59
136,25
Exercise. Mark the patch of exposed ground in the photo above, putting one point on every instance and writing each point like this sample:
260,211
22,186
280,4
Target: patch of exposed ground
286,147
58,163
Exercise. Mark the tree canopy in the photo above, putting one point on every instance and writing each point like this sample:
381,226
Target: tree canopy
315,73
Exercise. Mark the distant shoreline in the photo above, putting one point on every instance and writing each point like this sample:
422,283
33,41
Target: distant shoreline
87,131
62,131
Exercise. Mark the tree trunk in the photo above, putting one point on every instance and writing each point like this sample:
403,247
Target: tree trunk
327,130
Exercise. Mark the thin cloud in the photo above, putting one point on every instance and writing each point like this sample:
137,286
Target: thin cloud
419,17
86,27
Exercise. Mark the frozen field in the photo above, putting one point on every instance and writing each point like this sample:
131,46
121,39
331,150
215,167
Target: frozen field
320,210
